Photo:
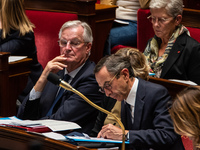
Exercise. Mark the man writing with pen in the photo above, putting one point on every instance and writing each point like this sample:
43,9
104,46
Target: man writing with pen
144,106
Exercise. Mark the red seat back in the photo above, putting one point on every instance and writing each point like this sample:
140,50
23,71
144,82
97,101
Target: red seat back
144,28
46,32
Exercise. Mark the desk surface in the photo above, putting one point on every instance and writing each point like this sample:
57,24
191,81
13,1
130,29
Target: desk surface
15,139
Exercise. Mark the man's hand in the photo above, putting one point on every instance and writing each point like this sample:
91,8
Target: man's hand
111,132
58,63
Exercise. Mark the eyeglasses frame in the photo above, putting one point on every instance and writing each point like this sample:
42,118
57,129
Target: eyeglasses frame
159,21
72,46
108,85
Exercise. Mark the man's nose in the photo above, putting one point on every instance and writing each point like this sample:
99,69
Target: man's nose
68,45
107,92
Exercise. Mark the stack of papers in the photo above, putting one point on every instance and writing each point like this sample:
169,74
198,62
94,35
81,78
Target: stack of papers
57,125
53,125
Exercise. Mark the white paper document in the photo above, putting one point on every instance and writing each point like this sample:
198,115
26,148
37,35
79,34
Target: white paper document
54,125
55,136
15,58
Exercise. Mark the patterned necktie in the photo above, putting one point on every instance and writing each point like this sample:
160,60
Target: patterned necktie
59,95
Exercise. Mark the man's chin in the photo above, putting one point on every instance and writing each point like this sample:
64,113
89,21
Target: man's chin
117,98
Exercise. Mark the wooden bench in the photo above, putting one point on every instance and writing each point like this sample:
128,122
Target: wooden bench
13,79
172,86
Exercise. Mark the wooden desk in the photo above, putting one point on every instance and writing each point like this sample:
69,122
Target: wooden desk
15,139
13,79
172,86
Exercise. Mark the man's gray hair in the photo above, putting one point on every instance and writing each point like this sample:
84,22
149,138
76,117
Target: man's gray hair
87,34
173,7
114,64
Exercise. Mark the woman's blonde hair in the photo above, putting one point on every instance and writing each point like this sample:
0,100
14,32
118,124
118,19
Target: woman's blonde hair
185,113
13,16
137,60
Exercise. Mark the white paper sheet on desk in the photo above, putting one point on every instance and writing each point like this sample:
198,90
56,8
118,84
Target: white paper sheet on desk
54,125
55,136
15,58
8,120
184,81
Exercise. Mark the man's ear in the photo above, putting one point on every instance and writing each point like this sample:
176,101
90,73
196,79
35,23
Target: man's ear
125,73
178,19
88,47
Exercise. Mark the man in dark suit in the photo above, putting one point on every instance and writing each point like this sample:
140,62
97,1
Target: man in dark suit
46,100
144,110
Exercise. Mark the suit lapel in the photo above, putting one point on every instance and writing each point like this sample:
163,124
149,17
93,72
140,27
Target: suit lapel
139,104
81,72
174,54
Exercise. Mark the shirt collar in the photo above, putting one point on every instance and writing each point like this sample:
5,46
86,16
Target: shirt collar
132,94
74,72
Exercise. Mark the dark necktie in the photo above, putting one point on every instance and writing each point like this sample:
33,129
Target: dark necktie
59,95
129,116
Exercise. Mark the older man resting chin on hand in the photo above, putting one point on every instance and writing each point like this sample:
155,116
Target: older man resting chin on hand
47,100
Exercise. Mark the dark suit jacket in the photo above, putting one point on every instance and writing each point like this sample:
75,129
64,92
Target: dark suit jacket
183,61
23,46
71,107
152,127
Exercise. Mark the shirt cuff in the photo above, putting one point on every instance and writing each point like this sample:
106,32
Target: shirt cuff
127,136
34,95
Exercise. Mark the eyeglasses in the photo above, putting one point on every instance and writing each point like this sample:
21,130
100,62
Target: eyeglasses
107,85
160,20
73,44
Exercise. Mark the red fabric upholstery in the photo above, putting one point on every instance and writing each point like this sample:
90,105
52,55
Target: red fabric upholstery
116,48
46,32
144,28
187,143
194,33
98,2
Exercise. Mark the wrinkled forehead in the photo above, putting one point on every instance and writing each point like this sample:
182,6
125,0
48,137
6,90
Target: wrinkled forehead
159,12
71,33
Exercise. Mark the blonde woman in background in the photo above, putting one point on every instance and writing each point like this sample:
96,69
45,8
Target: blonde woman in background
17,37
140,69
185,113
138,61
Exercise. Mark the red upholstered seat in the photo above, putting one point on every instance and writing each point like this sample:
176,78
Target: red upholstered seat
187,143
46,32
116,48
194,33
144,28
